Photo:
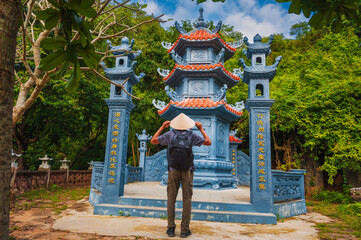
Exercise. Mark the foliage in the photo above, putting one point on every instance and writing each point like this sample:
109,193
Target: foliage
327,12
332,197
317,108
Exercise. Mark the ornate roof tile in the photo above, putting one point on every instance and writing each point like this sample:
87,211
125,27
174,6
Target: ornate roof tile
202,67
197,103
234,139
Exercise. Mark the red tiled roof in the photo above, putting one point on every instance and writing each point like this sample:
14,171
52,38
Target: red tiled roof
234,139
201,35
199,103
198,67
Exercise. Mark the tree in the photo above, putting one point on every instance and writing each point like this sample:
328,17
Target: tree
9,12
327,12
66,39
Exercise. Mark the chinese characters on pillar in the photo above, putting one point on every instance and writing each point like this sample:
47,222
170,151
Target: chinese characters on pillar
234,161
114,148
261,152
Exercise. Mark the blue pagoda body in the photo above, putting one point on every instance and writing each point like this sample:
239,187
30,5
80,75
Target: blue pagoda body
200,82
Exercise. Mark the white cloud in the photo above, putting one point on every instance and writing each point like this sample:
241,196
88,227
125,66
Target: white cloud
247,16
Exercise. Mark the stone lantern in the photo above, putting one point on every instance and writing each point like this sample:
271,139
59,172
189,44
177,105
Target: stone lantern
45,163
64,164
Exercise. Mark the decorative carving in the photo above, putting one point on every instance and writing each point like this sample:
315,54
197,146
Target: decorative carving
284,190
134,174
221,137
219,56
176,57
205,122
236,44
200,23
158,104
144,136
199,55
239,106
155,166
198,87
243,168
179,28
163,72
166,45
243,63
238,72
218,27
134,63
278,60
173,95
233,132
221,94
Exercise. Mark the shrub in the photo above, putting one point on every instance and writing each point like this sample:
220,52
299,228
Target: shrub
332,197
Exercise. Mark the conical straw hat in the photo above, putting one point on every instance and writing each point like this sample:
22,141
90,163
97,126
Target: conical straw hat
182,122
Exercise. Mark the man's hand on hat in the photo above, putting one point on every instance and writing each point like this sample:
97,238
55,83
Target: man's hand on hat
199,125
165,124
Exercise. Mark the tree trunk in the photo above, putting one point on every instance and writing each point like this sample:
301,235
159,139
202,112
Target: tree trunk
9,16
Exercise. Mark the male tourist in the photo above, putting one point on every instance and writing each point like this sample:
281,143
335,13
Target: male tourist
180,166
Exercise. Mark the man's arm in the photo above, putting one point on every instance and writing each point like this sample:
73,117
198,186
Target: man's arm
207,141
154,139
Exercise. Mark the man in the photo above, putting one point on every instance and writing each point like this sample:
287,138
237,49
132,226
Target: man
176,172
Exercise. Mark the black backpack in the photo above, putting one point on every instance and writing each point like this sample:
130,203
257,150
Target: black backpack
180,155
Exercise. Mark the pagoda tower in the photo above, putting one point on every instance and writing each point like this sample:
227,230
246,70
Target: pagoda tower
120,104
257,77
197,87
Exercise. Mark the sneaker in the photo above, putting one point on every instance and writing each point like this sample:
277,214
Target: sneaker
185,234
170,232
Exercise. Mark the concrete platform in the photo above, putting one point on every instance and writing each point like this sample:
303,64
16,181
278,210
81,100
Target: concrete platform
153,190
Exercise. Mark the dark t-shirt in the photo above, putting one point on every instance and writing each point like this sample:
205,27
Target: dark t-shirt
167,137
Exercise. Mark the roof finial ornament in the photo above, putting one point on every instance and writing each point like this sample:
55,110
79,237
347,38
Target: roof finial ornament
200,21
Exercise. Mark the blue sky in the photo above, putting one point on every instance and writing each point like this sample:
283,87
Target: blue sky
247,16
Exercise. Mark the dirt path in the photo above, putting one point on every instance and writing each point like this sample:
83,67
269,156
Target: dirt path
78,222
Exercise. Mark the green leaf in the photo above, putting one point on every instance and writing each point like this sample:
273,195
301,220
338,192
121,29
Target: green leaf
90,57
58,74
53,43
295,7
51,21
336,26
316,20
200,1
144,6
282,1
74,80
78,19
86,4
43,15
306,11
83,39
52,60
88,12
71,53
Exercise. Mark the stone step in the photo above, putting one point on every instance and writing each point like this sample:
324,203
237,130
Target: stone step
197,214
217,206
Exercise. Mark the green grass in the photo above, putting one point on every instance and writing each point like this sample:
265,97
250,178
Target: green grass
346,215
55,198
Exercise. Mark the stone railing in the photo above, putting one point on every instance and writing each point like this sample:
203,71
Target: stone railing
133,174
25,180
97,179
288,186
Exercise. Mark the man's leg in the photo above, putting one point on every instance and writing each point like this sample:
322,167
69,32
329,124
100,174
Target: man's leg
172,192
187,190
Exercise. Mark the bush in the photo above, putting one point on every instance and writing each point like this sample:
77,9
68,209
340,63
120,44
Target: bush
332,197
350,209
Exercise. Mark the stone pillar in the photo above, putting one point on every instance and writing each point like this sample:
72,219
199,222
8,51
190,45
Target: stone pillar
260,154
142,150
116,149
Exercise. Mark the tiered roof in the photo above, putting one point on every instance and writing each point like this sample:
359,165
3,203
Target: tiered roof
125,71
200,103
257,46
201,36
214,70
